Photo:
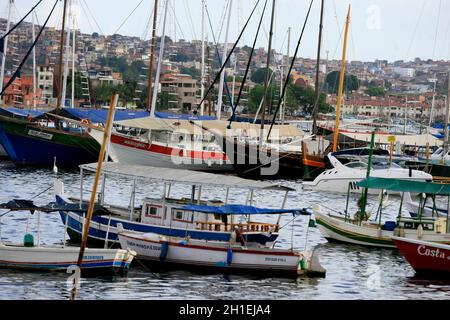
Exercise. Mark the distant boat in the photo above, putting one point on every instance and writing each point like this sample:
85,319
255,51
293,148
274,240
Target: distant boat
426,258
343,177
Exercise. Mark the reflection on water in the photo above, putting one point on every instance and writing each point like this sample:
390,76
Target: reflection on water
353,272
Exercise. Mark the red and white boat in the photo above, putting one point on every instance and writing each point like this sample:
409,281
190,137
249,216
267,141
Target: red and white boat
425,257
167,147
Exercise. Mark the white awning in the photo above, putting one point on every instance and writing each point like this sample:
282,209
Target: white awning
181,176
409,140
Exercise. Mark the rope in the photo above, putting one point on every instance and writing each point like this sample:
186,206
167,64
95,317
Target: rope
21,20
248,65
290,70
14,76
126,19
229,54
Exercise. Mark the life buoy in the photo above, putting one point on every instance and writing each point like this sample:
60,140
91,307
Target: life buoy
86,122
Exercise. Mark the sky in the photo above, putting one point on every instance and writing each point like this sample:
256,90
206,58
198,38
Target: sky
379,29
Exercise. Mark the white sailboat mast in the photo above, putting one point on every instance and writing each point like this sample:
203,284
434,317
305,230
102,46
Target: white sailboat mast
202,81
72,104
160,58
66,60
34,62
5,49
224,56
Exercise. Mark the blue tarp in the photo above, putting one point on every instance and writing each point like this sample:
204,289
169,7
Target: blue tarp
100,115
21,112
236,209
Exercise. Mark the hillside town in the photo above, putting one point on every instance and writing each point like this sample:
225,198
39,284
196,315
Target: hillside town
103,63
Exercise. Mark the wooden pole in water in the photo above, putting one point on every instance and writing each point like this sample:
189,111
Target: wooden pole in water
101,156
341,84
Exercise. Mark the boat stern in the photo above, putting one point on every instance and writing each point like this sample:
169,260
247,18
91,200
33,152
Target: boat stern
309,265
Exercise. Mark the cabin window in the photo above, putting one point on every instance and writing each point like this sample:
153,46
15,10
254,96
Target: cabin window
178,215
152,211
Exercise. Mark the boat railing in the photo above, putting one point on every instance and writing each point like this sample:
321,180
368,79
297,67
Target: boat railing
247,227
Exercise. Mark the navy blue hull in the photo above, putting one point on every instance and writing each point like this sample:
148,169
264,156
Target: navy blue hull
28,150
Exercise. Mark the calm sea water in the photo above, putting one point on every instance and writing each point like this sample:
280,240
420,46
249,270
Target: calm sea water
353,272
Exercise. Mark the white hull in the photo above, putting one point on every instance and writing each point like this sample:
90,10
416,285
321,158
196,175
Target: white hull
337,180
215,255
427,211
58,258
131,151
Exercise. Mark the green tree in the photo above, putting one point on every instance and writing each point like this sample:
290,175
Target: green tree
375,91
259,75
351,82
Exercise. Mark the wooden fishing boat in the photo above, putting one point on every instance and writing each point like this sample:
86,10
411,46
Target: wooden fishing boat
220,256
362,230
59,258
172,216
425,257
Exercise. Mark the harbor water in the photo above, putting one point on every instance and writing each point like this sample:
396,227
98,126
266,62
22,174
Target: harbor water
353,272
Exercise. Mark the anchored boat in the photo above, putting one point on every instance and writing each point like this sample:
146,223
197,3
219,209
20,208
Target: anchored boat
173,216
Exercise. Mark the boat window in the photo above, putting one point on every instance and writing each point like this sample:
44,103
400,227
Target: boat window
178,215
152,211
356,165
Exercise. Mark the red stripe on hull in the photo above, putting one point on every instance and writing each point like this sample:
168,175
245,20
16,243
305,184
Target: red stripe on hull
131,143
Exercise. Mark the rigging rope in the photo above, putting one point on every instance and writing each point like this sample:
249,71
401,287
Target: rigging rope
21,20
126,19
229,54
290,70
14,76
244,79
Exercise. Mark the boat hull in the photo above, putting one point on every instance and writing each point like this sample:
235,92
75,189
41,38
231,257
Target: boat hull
213,257
28,144
425,257
98,231
95,261
130,151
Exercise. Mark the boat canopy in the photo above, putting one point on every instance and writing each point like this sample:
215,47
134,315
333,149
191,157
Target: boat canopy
181,176
97,115
167,115
237,209
28,205
22,113
407,140
405,186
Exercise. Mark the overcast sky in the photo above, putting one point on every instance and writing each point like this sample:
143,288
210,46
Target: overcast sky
380,29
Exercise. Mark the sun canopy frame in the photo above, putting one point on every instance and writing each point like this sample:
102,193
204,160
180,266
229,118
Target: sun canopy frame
405,186
236,209
182,176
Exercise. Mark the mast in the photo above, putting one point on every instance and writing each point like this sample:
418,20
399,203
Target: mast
432,103
406,115
202,80
446,131
161,55
60,64
66,59
317,84
283,109
5,49
341,84
224,56
72,104
266,80
33,32
152,56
